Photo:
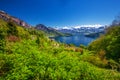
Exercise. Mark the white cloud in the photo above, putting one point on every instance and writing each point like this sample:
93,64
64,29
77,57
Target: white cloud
95,25
67,27
79,26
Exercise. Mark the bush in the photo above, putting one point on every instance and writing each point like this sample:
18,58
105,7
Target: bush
12,29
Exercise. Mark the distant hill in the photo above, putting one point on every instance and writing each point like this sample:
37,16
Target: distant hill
50,31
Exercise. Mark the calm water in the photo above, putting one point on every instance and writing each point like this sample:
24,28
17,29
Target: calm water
76,39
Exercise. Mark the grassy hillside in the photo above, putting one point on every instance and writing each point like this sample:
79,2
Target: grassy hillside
27,54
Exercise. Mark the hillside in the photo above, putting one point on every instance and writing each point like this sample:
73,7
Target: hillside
109,45
27,54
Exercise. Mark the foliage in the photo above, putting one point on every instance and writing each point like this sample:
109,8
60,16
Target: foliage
27,54
110,43
12,29
108,47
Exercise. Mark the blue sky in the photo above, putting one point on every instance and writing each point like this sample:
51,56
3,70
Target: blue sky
63,12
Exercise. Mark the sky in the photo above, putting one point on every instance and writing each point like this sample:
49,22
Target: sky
60,13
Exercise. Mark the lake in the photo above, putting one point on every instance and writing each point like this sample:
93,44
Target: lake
76,39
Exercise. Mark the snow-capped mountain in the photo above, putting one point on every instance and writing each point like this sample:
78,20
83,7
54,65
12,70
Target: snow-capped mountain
82,28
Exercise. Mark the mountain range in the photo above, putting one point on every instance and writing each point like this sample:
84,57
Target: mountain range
64,31
48,30
93,28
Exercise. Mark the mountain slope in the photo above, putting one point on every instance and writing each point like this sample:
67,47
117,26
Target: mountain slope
108,46
5,16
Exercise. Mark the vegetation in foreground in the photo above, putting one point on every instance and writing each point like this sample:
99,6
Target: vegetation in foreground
26,54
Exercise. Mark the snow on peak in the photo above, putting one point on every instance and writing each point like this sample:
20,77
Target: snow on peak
95,25
77,27
66,27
